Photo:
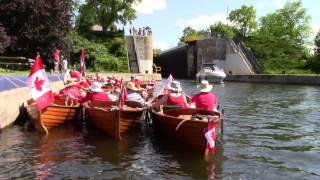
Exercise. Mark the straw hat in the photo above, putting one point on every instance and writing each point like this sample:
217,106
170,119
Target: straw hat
205,86
96,87
175,86
132,86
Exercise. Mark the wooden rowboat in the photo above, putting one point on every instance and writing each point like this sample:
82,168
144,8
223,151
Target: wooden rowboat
112,121
54,115
179,125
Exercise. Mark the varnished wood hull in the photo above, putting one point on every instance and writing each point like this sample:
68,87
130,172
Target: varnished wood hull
114,122
190,132
53,116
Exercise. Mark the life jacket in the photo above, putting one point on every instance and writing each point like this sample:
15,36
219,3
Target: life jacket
177,100
98,96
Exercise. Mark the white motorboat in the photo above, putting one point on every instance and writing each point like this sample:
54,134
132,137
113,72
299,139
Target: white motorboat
212,73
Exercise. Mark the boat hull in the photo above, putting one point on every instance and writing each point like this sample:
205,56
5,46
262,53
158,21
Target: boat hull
112,121
190,132
211,78
53,116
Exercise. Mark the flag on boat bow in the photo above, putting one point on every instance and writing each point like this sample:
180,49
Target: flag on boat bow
123,95
211,136
39,84
166,87
82,63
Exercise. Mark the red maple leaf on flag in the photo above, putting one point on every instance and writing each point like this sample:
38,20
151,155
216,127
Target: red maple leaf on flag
38,83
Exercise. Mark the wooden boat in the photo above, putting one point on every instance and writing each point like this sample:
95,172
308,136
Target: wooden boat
181,126
114,122
54,115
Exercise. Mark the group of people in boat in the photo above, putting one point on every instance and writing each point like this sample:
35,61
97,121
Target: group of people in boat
204,99
90,88
99,88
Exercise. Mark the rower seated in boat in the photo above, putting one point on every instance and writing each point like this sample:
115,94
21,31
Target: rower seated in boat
97,94
133,94
205,99
176,98
73,91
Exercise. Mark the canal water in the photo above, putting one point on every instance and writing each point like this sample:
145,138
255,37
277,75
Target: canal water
270,132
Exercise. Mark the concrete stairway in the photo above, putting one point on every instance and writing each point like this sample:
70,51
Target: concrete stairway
132,55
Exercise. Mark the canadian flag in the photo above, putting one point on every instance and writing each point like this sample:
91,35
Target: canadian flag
39,85
211,136
166,87
123,95
82,63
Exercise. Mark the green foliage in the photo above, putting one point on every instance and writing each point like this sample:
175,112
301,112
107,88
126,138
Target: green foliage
228,31
244,19
317,45
105,13
34,25
100,55
314,63
189,34
280,41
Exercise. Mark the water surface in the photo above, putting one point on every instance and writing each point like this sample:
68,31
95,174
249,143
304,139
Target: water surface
271,132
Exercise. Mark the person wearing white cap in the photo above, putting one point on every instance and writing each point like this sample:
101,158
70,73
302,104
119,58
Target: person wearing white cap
96,94
176,97
205,99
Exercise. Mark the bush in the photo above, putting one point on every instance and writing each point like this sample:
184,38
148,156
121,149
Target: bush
100,55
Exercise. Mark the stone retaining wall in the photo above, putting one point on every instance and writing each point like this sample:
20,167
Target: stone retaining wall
12,100
281,79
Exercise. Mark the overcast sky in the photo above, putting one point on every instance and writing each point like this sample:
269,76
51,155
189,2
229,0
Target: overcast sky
168,18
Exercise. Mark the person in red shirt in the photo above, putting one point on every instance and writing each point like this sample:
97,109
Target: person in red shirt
56,58
136,81
176,97
75,74
97,94
205,99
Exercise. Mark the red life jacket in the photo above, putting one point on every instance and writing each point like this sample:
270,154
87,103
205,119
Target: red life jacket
177,100
98,96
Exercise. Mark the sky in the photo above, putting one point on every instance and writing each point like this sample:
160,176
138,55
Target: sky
168,18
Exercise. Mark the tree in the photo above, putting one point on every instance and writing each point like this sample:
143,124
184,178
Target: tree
317,45
228,31
105,13
4,39
35,25
291,23
244,19
189,34
314,63
280,41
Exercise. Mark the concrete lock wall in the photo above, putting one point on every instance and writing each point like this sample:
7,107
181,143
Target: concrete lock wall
144,50
237,65
12,100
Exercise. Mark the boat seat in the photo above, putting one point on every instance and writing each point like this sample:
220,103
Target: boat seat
170,107
133,104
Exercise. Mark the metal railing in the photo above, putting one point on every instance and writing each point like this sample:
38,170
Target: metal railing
255,63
